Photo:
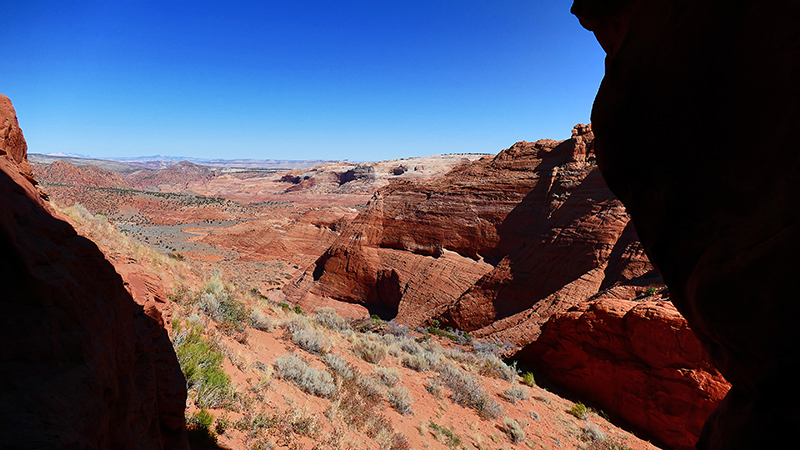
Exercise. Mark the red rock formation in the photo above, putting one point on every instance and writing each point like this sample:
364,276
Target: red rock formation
638,359
714,195
516,237
82,365
64,172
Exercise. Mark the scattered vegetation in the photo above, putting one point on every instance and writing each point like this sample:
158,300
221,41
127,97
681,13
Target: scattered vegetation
445,435
199,428
513,430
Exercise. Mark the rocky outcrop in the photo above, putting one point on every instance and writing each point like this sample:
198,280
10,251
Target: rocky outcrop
638,359
495,244
82,365
64,172
714,195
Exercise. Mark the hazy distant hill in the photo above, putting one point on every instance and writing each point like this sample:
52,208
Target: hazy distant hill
160,161
114,166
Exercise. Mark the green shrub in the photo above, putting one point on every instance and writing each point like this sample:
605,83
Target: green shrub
580,411
528,379
200,363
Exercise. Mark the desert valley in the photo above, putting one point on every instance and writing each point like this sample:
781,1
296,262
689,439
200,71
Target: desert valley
415,303
628,287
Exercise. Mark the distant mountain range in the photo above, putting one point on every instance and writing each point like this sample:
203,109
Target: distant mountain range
162,161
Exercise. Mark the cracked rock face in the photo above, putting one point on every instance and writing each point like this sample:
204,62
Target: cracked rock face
694,128
82,364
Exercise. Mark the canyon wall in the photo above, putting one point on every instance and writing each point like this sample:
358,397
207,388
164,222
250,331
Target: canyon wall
524,248
82,364
714,196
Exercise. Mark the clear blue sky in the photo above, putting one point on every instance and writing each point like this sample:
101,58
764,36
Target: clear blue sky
295,79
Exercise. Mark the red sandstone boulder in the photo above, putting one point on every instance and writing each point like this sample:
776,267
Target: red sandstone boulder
82,365
638,359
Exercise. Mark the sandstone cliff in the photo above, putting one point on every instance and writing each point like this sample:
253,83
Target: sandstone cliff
714,197
516,237
527,241
82,365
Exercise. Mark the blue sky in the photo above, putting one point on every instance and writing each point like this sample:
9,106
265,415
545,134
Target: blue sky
295,79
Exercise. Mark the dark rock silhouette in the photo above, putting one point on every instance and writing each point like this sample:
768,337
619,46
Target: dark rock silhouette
82,365
694,126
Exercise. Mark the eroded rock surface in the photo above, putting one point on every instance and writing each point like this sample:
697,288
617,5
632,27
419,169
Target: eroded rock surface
638,359
82,365
694,125
496,244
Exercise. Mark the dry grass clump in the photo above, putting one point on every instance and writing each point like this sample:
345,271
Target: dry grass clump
369,350
312,341
492,366
467,391
513,430
598,440
401,400
388,376
516,393
338,365
294,369
444,435
327,317
260,321
416,362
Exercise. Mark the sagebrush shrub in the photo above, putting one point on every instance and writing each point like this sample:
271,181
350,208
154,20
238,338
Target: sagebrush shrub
370,351
401,400
467,391
389,377
515,393
312,341
513,430
328,318
338,365
294,369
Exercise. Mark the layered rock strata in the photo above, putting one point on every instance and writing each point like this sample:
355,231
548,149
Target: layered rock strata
694,125
493,244
82,365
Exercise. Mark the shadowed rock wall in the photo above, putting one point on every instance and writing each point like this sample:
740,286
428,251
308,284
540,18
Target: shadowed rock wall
695,126
81,365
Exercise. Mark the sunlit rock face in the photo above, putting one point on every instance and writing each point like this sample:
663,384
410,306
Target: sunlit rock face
82,364
694,132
